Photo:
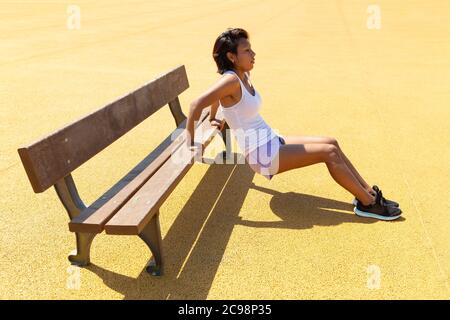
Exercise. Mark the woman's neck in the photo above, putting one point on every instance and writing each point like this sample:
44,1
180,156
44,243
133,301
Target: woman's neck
240,73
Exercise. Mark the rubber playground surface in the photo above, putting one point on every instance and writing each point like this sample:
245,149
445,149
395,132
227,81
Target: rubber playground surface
323,68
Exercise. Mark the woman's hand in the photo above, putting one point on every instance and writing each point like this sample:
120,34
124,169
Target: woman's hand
217,123
190,144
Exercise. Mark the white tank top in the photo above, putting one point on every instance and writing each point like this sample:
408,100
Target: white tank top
246,124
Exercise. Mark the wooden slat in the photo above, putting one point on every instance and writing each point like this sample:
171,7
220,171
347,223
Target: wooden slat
56,155
94,218
137,212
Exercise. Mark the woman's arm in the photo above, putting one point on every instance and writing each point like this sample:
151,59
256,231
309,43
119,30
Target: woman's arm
214,107
225,86
212,117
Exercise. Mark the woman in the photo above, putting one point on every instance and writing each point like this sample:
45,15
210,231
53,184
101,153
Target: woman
267,153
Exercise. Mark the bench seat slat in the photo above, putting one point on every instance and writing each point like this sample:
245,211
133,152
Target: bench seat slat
137,212
93,218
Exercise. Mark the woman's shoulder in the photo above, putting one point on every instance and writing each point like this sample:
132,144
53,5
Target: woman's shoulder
229,78
229,73
228,84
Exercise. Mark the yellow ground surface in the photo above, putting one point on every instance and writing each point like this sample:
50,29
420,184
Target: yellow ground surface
228,233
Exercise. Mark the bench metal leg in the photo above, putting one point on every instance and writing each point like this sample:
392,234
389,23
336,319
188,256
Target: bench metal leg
68,194
151,235
177,113
84,241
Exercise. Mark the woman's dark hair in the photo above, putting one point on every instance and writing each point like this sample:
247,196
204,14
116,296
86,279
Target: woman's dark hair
227,42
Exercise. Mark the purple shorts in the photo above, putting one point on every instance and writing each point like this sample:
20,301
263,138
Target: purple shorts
264,159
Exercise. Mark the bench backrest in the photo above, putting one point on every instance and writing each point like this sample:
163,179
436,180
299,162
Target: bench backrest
52,158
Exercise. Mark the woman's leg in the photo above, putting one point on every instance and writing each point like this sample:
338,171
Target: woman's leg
293,156
329,140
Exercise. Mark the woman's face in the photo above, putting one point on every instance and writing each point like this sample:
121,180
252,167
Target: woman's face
245,57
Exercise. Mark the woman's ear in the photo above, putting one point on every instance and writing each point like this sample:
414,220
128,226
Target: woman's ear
230,57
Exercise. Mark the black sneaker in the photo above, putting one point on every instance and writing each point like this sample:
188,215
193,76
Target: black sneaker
377,190
378,210
388,202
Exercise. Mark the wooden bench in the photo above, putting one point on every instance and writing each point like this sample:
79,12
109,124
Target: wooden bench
131,206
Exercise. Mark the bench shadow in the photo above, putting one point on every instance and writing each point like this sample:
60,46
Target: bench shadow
196,241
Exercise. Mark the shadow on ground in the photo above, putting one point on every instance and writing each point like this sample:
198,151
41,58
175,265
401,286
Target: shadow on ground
195,243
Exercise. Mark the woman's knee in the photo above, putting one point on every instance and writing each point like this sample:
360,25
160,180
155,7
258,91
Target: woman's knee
333,141
332,153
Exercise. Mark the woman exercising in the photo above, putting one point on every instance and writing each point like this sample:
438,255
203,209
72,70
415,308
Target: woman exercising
266,152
